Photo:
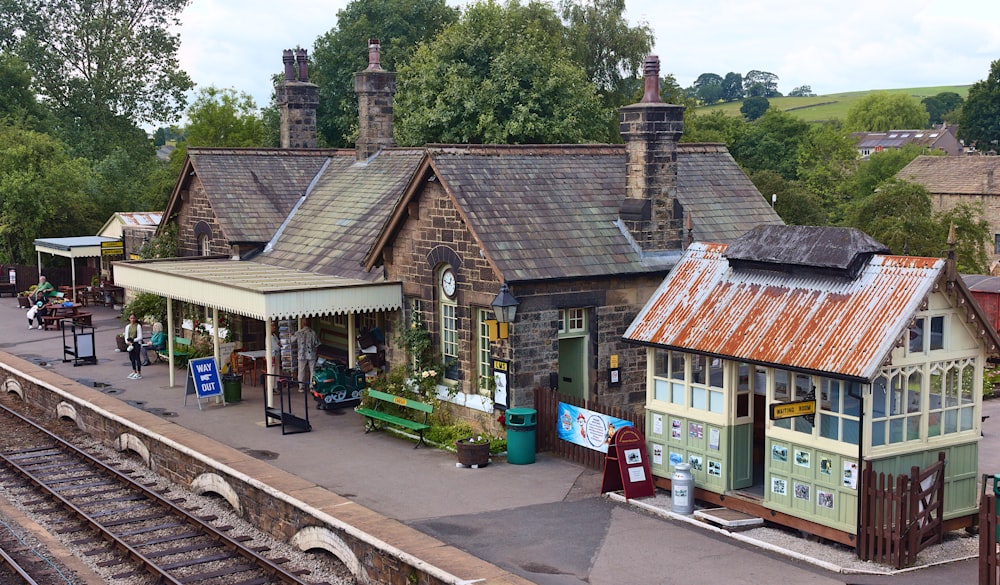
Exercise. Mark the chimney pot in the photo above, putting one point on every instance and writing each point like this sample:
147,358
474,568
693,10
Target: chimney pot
302,60
651,70
289,60
374,55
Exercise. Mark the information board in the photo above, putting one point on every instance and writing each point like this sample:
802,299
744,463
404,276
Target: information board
627,465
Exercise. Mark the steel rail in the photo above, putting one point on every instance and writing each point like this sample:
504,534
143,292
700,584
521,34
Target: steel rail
13,565
270,569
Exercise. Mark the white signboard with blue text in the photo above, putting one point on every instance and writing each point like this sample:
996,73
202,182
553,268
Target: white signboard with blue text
203,379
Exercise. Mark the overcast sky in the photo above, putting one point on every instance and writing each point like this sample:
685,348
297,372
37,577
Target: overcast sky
831,45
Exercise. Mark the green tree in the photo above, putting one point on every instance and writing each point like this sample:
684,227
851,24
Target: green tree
732,87
827,160
760,84
940,105
400,26
17,99
973,237
610,51
500,75
224,117
883,111
900,215
802,91
881,166
716,126
754,107
42,192
771,142
708,88
980,119
793,202
103,58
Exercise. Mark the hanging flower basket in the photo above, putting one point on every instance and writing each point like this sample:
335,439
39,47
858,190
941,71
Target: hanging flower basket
473,452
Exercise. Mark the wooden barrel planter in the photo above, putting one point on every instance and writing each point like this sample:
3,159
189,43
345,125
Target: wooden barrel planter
472,453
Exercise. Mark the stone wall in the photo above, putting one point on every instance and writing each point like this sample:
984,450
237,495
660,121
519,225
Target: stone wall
197,216
435,234
378,550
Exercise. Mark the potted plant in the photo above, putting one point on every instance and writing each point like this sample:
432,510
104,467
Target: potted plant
24,298
473,451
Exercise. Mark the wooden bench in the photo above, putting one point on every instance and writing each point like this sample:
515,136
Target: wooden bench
8,288
375,414
184,343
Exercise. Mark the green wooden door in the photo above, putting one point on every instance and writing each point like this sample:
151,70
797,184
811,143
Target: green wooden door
573,366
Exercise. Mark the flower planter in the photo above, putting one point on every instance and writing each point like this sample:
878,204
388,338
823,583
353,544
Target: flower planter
23,302
472,454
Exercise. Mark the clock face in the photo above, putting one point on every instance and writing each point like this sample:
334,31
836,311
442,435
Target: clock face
448,282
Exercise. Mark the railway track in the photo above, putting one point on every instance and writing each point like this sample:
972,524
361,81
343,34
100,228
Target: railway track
142,536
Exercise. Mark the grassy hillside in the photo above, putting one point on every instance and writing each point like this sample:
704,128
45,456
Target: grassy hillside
834,106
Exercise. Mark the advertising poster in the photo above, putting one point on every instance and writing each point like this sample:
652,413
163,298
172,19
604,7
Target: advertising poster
587,428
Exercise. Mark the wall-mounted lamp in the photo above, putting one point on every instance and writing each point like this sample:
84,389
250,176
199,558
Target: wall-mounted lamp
505,309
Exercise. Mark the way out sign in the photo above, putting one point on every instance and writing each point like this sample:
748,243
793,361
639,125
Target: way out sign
203,379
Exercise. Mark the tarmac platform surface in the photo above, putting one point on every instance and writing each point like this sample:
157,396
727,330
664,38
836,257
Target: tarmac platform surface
546,521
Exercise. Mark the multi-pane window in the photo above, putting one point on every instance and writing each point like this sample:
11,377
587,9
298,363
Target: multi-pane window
689,380
484,362
996,243
898,397
926,334
449,335
840,410
951,397
793,387
572,320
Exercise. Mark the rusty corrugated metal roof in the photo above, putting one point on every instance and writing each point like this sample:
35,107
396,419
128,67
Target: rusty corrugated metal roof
799,321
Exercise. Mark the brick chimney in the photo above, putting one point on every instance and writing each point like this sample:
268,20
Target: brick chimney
650,130
375,88
297,102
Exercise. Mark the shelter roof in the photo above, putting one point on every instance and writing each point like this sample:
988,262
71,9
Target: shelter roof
798,320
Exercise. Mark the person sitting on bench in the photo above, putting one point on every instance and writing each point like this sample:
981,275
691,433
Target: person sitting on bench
157,342
43,290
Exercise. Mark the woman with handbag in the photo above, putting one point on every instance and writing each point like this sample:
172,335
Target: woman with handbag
133,337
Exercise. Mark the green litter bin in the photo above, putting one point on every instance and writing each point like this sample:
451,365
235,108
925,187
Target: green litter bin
232,387
521,423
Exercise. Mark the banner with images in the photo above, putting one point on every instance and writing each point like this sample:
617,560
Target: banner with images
587,428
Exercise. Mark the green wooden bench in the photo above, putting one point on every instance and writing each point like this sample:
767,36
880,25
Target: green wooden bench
381,398
182,348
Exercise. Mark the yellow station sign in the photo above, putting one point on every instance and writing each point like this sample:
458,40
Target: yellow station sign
793,409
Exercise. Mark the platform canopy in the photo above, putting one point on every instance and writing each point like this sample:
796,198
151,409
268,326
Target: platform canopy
257,290
72,248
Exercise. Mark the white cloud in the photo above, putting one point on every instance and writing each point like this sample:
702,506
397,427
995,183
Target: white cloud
833,46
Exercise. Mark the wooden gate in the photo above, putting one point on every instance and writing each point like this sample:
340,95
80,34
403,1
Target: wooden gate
547,435
901,516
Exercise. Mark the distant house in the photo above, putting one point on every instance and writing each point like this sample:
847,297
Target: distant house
942,139
966,179
885,354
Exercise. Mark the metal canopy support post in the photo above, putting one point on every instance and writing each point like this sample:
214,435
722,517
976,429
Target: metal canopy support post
269,368
352,336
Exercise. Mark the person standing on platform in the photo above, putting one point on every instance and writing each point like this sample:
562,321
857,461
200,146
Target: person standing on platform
307,342
133,339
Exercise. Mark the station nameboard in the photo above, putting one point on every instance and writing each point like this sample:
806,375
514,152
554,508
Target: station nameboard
115,248
793,409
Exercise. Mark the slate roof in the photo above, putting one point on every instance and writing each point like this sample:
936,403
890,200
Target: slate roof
941,138
342,214
550,212
832,250
252,191
947,175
